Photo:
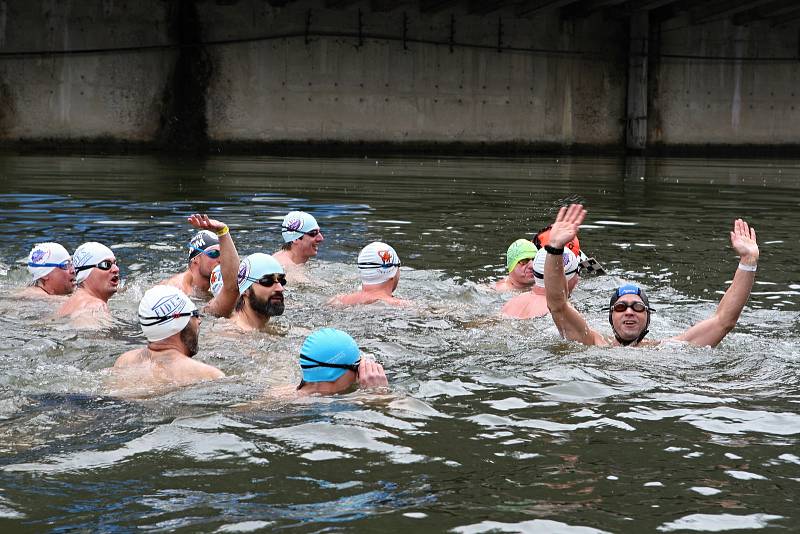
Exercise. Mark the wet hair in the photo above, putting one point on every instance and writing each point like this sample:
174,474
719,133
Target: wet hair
240,302
287,246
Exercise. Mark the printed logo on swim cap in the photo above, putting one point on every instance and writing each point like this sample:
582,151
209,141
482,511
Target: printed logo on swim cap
628,289
244,271
39,255
82,256
169,305
294,225
385,256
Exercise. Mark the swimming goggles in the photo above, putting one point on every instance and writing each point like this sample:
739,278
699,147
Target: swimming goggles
311,233
637,306
375,265
64,265
159,320
316,363
104,265
213,253
268,280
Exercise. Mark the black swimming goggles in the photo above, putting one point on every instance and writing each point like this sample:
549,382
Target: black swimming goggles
376,265
164,319
316,363
268,280
311,233
104,265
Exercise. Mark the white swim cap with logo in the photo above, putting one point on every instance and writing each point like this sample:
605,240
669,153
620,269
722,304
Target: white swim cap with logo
164,311
297,223
90,253
377,263
215,280
570,265
254,267
43,258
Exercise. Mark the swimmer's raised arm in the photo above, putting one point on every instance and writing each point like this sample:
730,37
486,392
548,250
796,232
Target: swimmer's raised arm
571,324
712,330
221,305
371,374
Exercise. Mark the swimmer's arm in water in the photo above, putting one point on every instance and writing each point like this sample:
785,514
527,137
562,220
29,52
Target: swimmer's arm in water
712,330
371,374
222,305
571,324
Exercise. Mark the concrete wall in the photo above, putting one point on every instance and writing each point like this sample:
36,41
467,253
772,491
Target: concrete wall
116,95
734,102
333,89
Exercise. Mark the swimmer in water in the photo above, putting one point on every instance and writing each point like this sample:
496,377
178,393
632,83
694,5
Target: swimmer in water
301,236
211,247
533,303
331,363
379,268
520,269
97,275
171,323
261,282
51,271
629,309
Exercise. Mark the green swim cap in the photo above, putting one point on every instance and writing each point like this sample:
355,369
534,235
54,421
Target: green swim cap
519,250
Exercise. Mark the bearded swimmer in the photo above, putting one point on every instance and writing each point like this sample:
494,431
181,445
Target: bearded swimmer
533,303
331,363
261,282
302,237
211,247
629,310
171,323
52,272
97,275
520,269
379,268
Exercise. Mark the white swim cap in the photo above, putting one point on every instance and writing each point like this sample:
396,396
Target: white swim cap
377,263
297,223
45,257
216,280
90,253
164,311
570,265
254,267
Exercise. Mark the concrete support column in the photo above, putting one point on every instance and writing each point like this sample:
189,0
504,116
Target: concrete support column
636,129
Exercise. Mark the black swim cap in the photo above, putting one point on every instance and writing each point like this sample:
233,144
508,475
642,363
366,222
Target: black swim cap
202,240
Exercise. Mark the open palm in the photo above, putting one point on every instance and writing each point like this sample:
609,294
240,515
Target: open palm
743,239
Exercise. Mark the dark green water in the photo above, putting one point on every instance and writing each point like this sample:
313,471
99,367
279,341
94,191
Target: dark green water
491,424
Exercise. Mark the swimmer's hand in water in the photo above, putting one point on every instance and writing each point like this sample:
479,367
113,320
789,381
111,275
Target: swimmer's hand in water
201,221
743,241
565,228
371,374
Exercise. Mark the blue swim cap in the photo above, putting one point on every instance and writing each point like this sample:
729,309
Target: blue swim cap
629,289
256,266
323,350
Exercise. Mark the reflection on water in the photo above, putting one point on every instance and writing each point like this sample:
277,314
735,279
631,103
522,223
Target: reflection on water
491,425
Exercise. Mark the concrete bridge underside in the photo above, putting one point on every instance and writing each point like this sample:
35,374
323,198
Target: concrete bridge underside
472,75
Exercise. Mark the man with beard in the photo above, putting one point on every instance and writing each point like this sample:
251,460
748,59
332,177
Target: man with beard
51,270
629,309
97,275
211,246
261,283
301,236
171,323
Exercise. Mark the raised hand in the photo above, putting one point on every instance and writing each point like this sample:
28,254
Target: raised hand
743,240
371,374
566,226
202,222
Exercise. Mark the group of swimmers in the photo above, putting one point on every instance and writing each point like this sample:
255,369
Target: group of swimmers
544,271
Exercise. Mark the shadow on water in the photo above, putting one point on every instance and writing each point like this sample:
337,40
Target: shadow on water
490,423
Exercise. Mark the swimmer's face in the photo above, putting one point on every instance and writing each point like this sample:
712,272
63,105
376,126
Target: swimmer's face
104,283
61,281
308,245
206,264
267,300
523,272
629,324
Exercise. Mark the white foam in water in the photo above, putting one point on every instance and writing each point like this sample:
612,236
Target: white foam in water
744,475
732,456
415,515
719,522
535,525
245,526
322,455
791,458
653,485
702,490
511,403
616,223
